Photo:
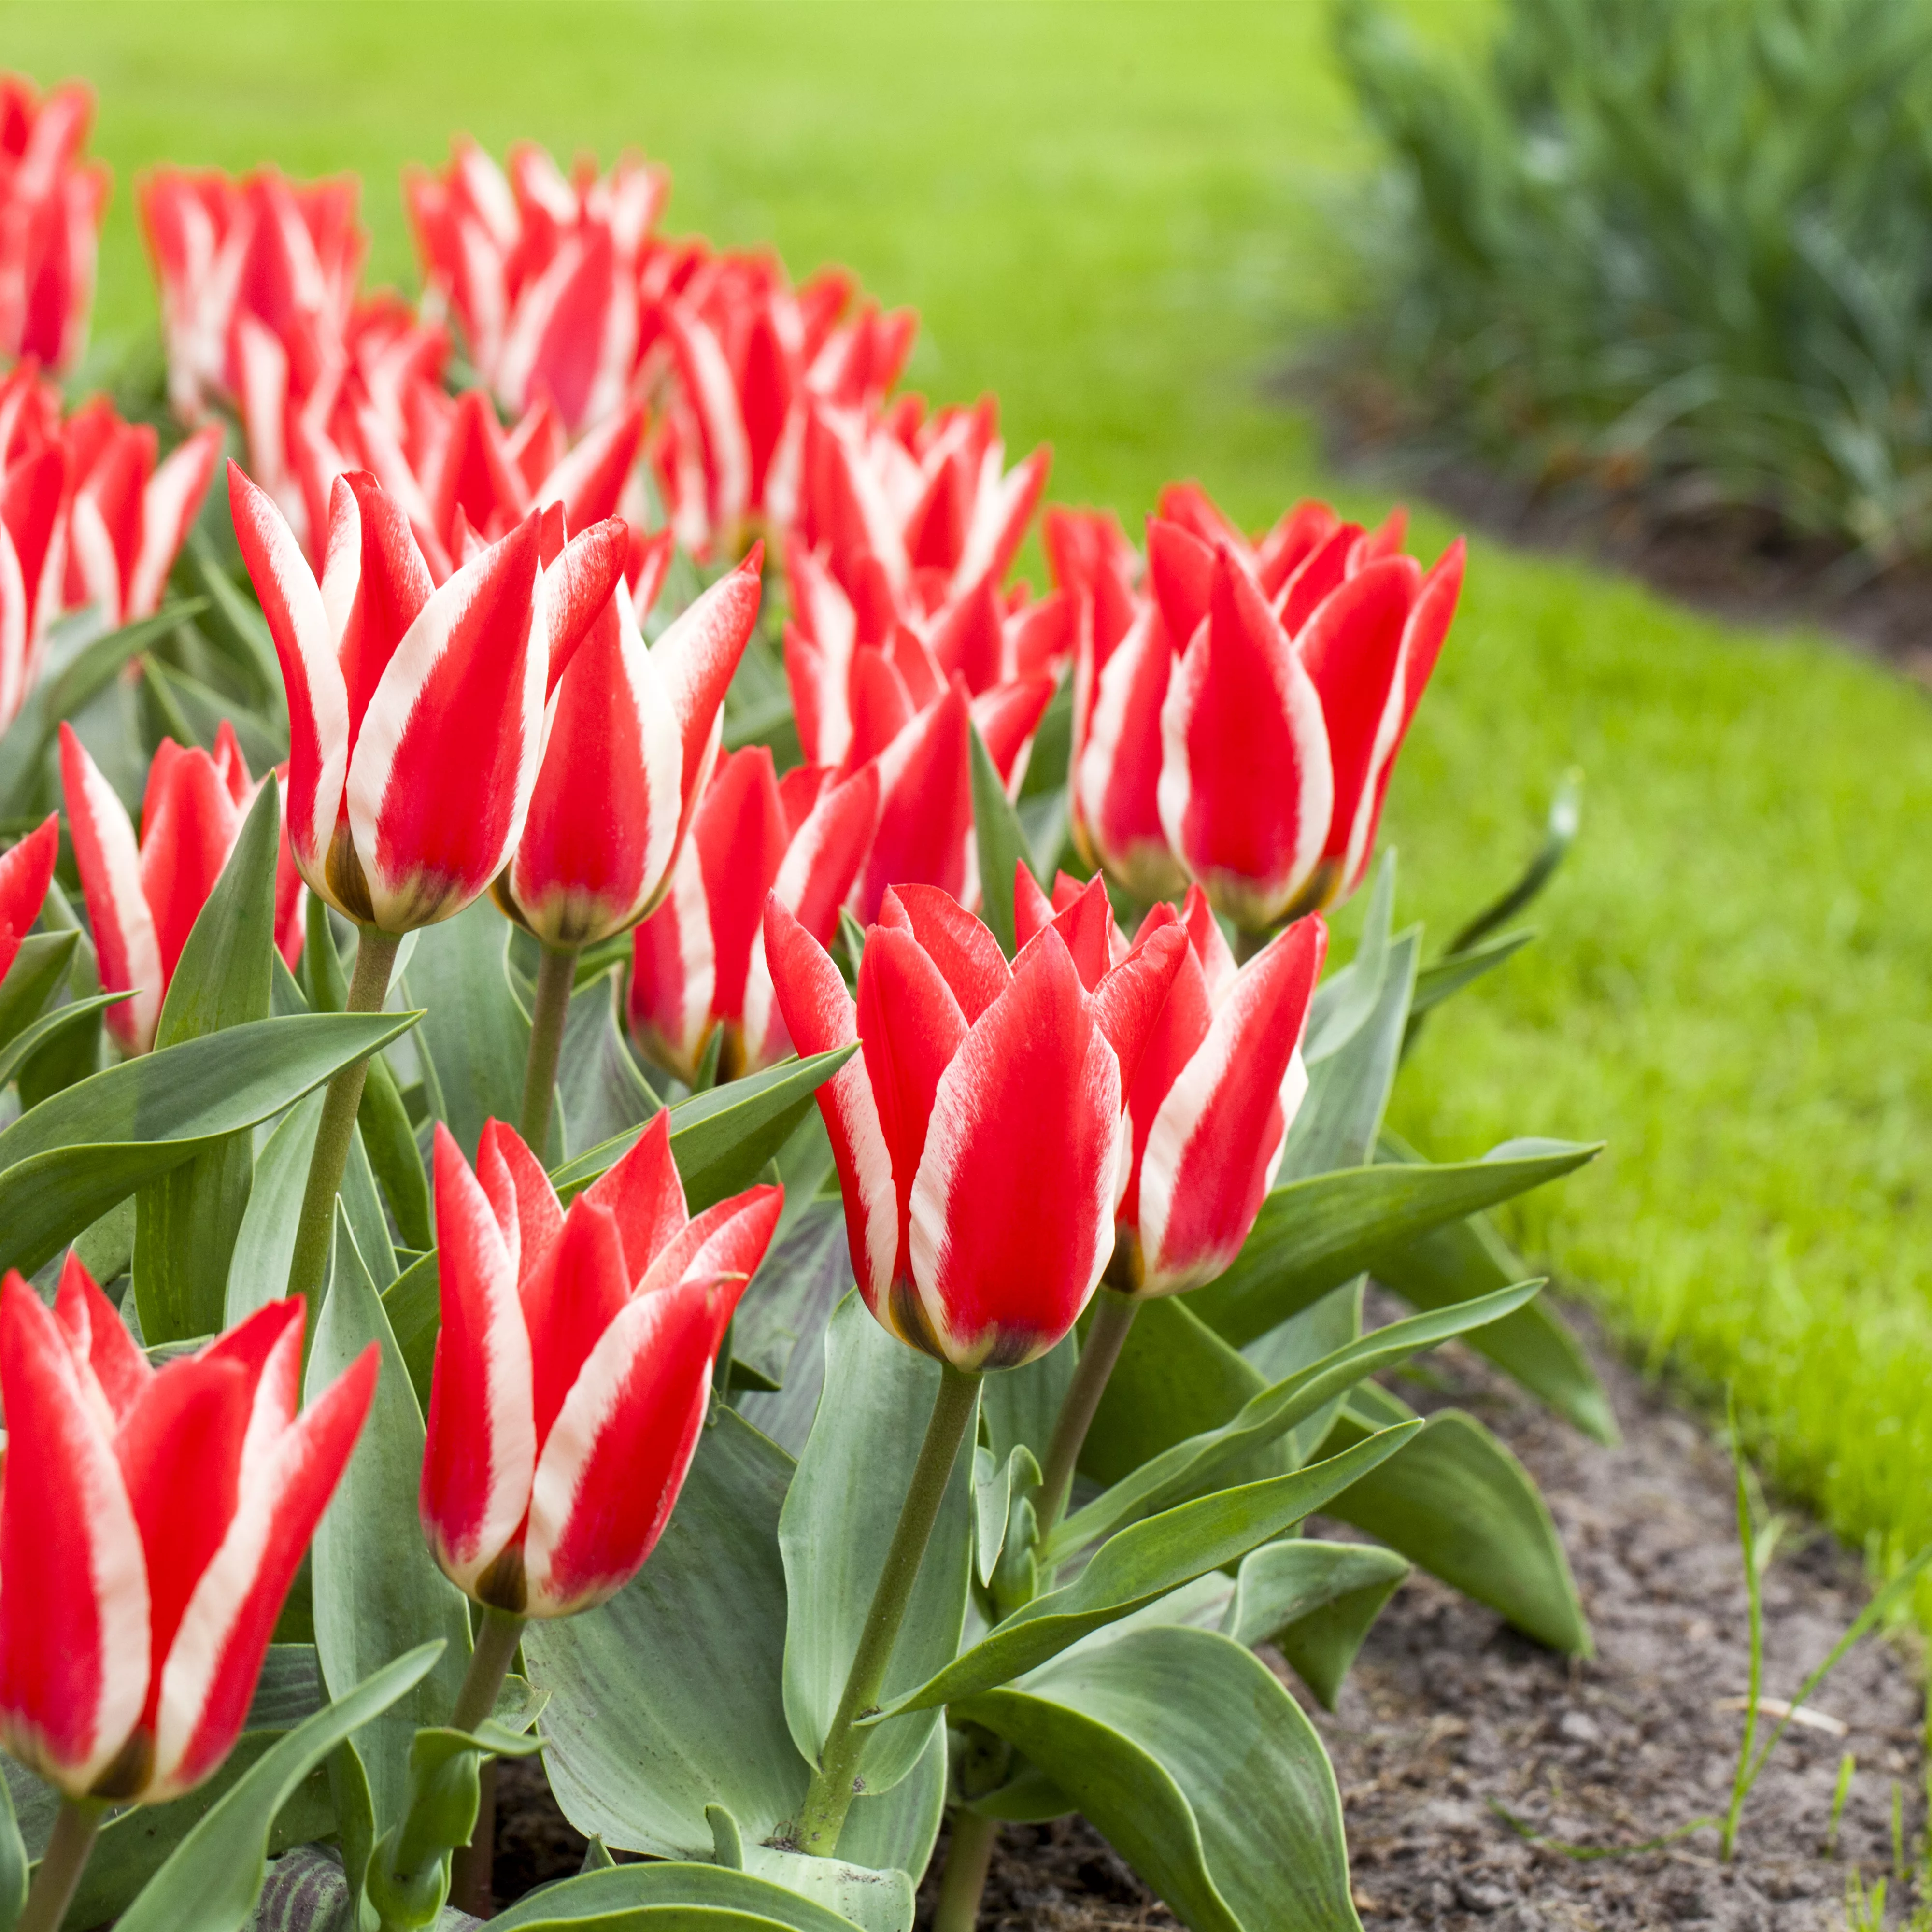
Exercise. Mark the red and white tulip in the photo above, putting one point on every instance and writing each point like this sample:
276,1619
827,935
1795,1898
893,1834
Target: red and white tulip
51,202
26,870
574,1365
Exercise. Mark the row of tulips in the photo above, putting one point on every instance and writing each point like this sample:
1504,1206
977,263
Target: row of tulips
1053,1133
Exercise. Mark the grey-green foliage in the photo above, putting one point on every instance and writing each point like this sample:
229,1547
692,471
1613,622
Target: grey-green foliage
1665,238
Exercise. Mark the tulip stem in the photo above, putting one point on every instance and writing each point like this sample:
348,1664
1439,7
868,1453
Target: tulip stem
375,958
58,1876
497,1636
1106,1335
836,1783
969,1856
556,977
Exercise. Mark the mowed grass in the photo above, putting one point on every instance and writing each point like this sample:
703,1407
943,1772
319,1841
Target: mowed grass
1116,218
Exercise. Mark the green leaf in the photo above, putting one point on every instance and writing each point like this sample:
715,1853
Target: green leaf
839,1516
235,617
671,1697
877,1901
1534,1346
413,1302
186,1220
1199,1768
74,1052
13,1863
212,1879
676,1896
805,1274
1443,978
995,1486
63,1163
1002,844
52,1028
376,1589
1345,1001
1313,1235
895,1830
389,1143
288,1689
600,1089
204,711
38,968
1143,1563
1457,1504
722,1139
1314,1602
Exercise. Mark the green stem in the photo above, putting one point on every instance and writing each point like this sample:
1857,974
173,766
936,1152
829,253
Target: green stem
968,1859
65,1859
471,1864
834,1785
556,977
375,957
1106,1335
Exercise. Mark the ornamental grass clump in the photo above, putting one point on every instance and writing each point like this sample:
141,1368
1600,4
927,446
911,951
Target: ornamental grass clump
1687,248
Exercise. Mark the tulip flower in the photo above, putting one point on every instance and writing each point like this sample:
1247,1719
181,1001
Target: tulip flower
26,870
151,1523
1217,1087
699,961
416,711
574,1365
129,518
142,900
33,491
1314,691
980,1131
51,203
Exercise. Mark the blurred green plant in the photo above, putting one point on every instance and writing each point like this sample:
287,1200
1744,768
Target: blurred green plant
1684,245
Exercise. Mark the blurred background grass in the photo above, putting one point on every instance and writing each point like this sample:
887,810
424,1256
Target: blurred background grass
1119,218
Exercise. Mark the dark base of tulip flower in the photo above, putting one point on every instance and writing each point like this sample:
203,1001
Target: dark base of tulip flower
1106,1336
834,1786
556,977
968,1859
62,1864
497,1637
375,958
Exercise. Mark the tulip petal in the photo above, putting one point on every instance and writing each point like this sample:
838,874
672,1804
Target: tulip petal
1116,778
169,505
673,971
26,870
967,955
645,1192
188,825
577,589
925,827
503,1158
98,1338
1027,1115
571,1297
728,1238
1131,998
696,658
590,480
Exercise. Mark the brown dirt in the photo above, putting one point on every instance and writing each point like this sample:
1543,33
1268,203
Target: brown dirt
1447,1709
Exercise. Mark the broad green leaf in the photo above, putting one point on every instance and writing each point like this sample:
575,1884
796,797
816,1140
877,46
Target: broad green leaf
876,1901
782,1319
1344,1001
1198,1766
73,1051
186,1220
1313,1235
39,967
1534,1345
722,1139
51,1028
1442,979
204,710
896,1829
1143,1563
232,615
212,1878
671,1697
1314,1602
1002,844
288,1689
375,1588
669,1897
13,1864
413,1302
995,1485
839,1515
601,1092
474,1032
1457,1504
1188,1467
63,1163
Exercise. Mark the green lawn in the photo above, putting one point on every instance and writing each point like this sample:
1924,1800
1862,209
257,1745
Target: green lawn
1115,218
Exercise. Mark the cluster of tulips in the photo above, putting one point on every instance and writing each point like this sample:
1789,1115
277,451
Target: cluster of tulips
461,520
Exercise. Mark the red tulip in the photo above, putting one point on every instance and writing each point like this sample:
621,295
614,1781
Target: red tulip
1217,1087
979,1133
151,1523
699,960
26,870
416,711
33,490
142,902
1306,658
635,736
51,203
573,1366
128,518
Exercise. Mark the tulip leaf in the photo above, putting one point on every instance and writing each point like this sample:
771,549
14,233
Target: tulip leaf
1346,1000
1188,1467
1457,1504
13,1863
413,1302
895,1830
600,1091
234,616
1314,1601
186,1220
670,1697
289,1688
1314,1233
722,1139
781,1323
839,1516
1199,1767
49,1028
73,1051
877,1901
258,1270
211,1879
203,711
389,1145
1145,1561
1002,844
995,1485
376,1589
689,1898
1442,979
40,964
63,1163
474,1031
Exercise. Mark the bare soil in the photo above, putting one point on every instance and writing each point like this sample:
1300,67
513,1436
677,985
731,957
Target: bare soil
1447,1709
